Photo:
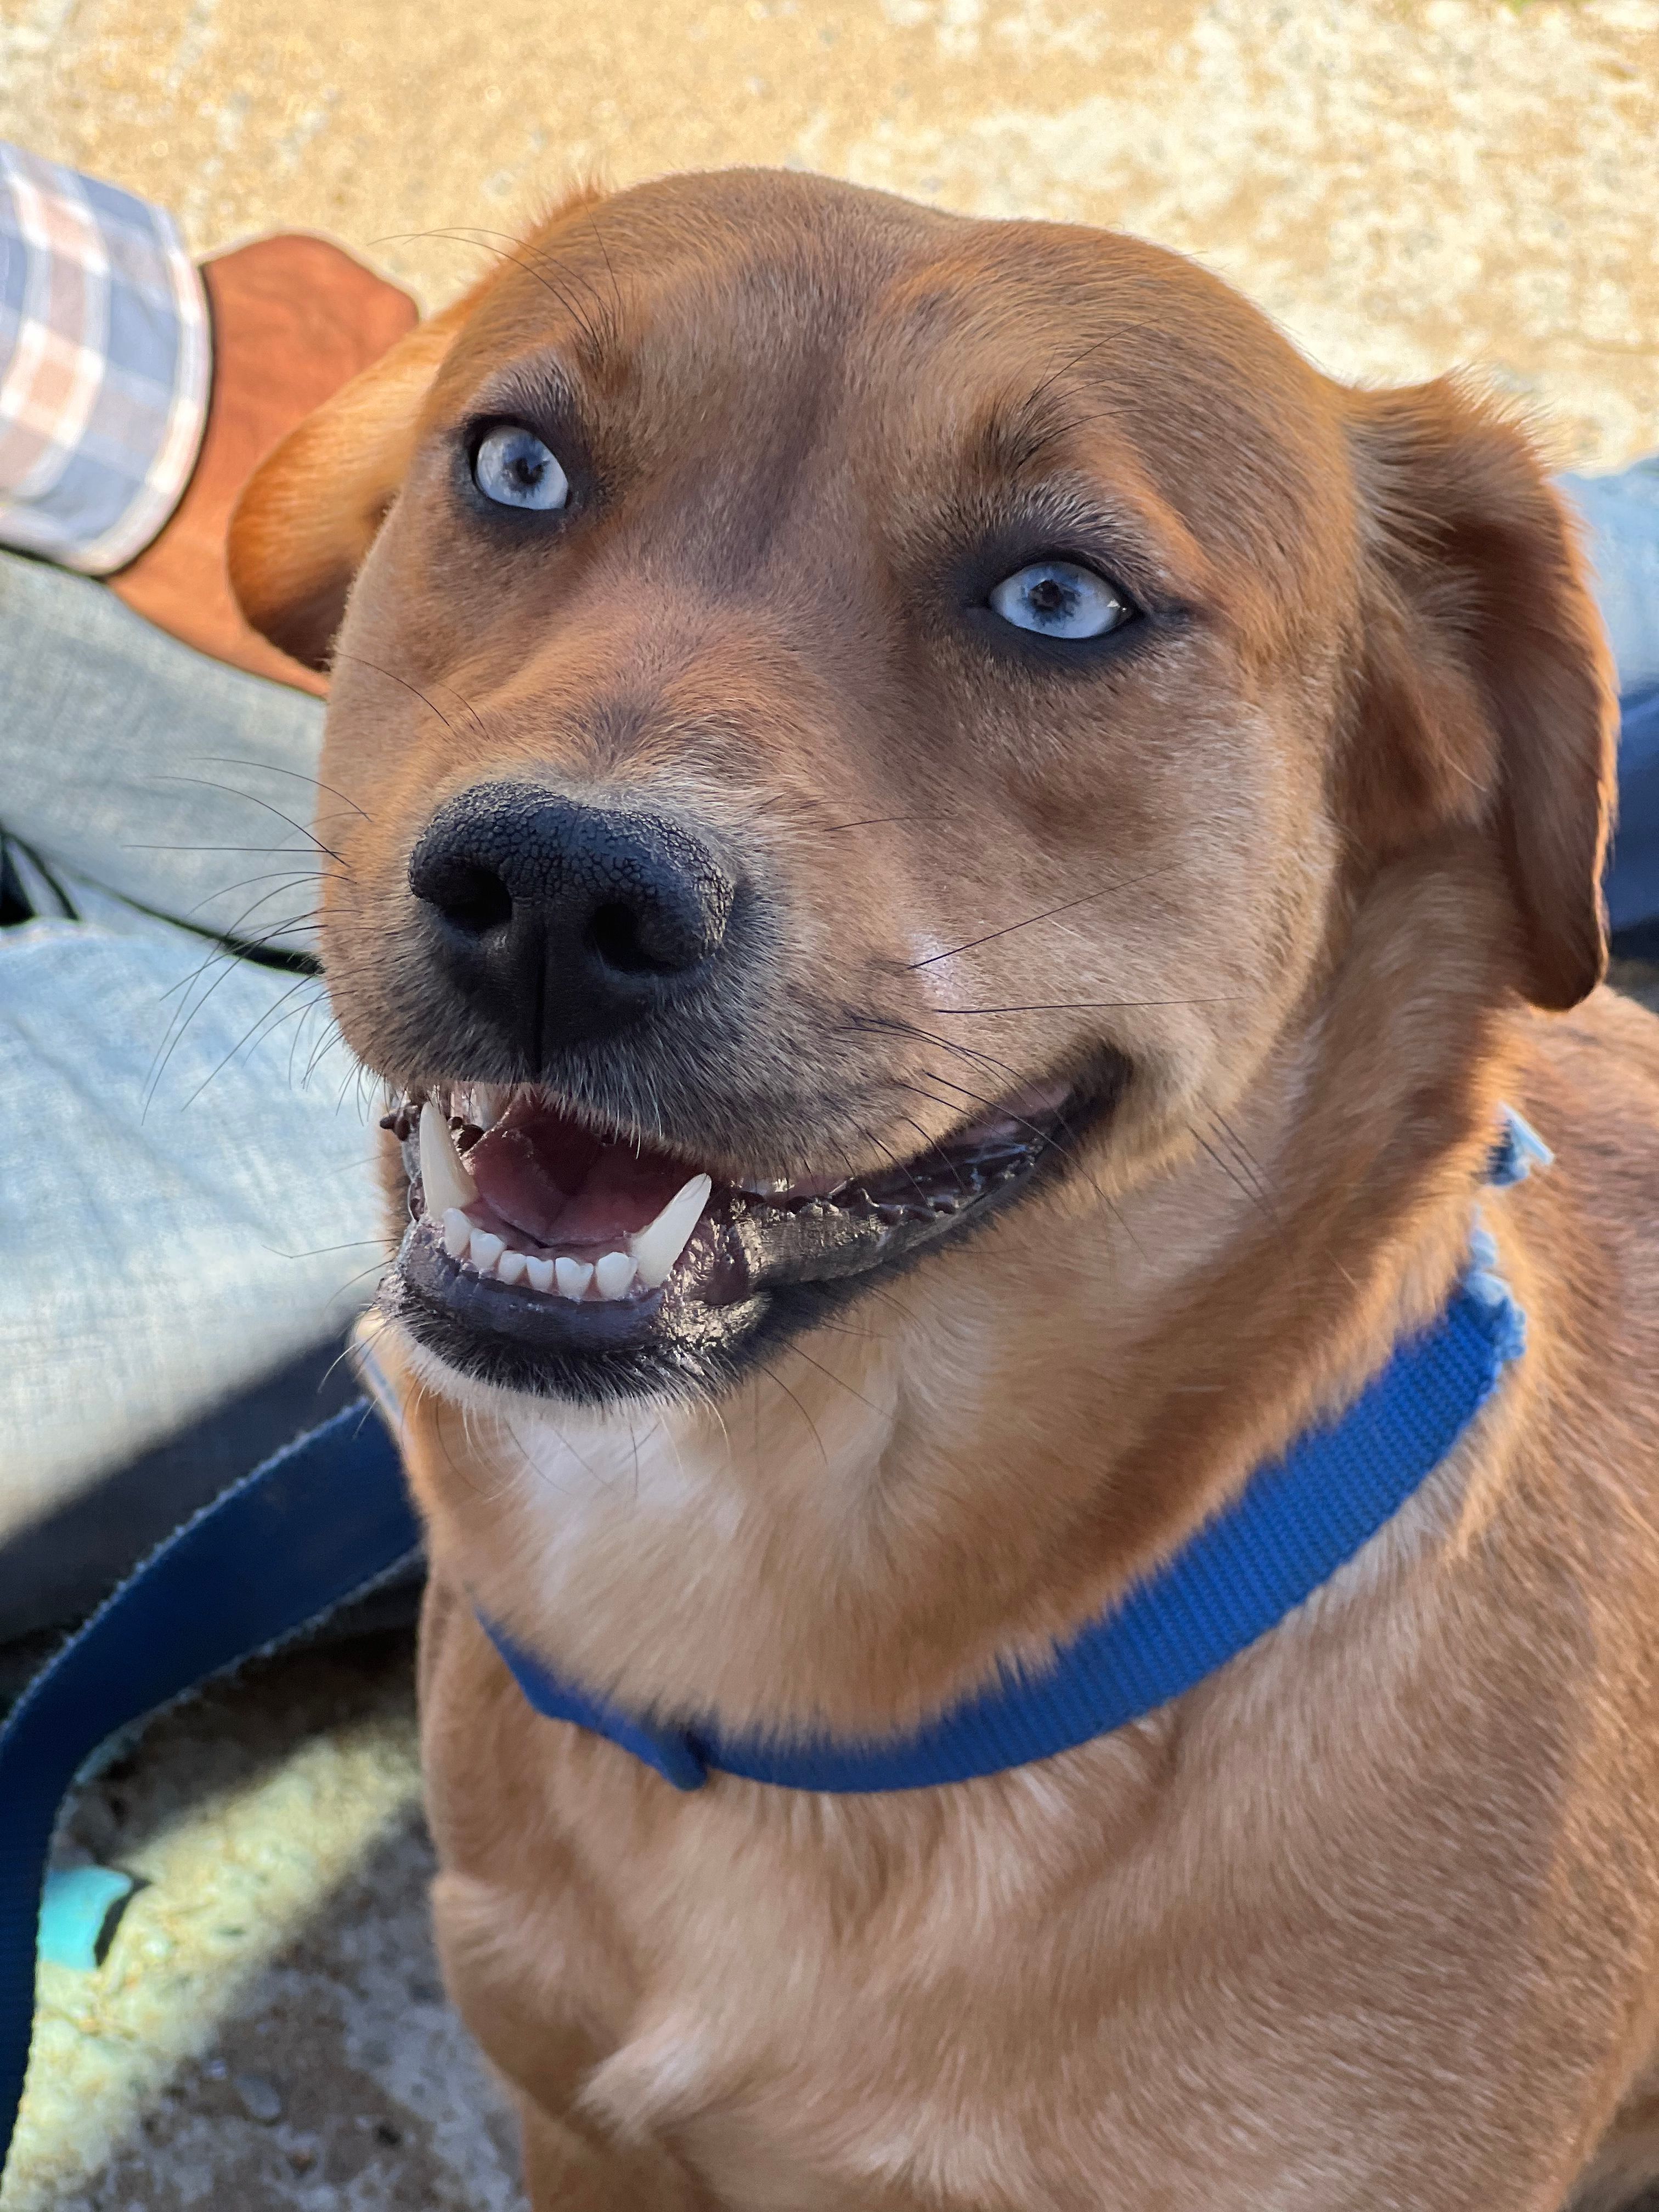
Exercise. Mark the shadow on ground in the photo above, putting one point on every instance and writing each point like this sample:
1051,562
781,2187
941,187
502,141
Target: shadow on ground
343,2080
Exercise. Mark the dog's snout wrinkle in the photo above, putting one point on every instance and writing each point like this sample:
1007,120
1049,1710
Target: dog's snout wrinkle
563,921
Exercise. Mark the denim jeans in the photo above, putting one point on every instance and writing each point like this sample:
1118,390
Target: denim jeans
189,1216
1622,513
188,1213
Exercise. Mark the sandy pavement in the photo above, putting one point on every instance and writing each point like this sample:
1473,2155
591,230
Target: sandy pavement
1405,184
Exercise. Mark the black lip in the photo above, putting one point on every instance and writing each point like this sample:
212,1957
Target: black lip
754,1274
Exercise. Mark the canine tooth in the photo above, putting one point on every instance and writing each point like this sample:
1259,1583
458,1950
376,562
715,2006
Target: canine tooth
458,1233
484,1250
540,1272
614,1273
511,1265
573,1276
445,1176
657,1246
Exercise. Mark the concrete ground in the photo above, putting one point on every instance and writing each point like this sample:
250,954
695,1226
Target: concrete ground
1406,184
267,2032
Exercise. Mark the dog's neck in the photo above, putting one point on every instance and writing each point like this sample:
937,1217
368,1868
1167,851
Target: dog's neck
879,1513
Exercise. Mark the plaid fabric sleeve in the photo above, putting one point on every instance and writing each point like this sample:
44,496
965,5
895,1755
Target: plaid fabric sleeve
105,365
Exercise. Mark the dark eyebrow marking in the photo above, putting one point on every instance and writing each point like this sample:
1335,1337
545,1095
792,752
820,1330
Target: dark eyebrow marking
1008,457
1012,430
999,441
540,388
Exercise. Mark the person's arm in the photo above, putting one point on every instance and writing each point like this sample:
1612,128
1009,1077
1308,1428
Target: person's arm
137,393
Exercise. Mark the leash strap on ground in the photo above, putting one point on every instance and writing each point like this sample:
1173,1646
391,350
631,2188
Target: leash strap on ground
279,1551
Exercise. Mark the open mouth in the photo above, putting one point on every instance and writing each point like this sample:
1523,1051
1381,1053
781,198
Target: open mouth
549,1256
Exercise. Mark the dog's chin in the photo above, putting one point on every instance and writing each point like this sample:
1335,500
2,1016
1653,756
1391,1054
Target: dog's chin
580,1263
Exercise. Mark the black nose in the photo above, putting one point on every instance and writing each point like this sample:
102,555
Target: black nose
562,923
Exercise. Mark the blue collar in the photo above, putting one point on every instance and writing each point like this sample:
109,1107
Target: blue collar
1295,1522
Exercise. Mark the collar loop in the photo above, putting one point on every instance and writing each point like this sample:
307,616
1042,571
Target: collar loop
1296,1521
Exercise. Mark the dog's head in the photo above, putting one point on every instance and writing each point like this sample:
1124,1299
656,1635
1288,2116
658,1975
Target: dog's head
847,719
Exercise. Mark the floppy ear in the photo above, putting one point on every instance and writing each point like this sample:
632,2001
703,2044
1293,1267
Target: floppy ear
1487,695
309,513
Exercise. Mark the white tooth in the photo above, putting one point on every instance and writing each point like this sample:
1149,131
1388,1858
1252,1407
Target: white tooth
659,1245
458,1233
511,1266
573,1276
613,1274
540,1272
484,1250
444,1174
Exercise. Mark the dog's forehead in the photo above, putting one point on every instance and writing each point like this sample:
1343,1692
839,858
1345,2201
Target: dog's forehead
749,271
861,322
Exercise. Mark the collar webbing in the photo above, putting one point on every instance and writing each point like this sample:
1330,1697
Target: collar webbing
1295,1524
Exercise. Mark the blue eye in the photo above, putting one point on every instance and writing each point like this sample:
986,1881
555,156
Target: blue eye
514,468
1059,599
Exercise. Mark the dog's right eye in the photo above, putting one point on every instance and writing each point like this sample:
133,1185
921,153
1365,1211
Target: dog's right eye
515,468
1061,599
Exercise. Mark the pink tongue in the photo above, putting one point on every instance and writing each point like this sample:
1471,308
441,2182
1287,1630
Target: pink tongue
564,1189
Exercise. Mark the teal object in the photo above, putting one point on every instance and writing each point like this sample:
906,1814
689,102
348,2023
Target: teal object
80,1908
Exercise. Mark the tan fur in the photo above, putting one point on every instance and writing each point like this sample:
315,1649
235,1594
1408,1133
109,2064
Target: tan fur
1370,1918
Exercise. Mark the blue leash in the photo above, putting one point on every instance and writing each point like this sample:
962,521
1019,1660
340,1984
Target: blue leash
326,1518
278,1550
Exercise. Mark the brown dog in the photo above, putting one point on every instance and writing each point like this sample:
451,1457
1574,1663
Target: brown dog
948,753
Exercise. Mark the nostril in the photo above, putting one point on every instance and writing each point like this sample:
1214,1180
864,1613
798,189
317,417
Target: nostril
615,935
468,894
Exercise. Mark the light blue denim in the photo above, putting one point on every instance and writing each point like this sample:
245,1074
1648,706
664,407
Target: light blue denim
1621,515
187,1200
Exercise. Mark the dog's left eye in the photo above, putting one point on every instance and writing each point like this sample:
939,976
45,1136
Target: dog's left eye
1059,598
515,468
